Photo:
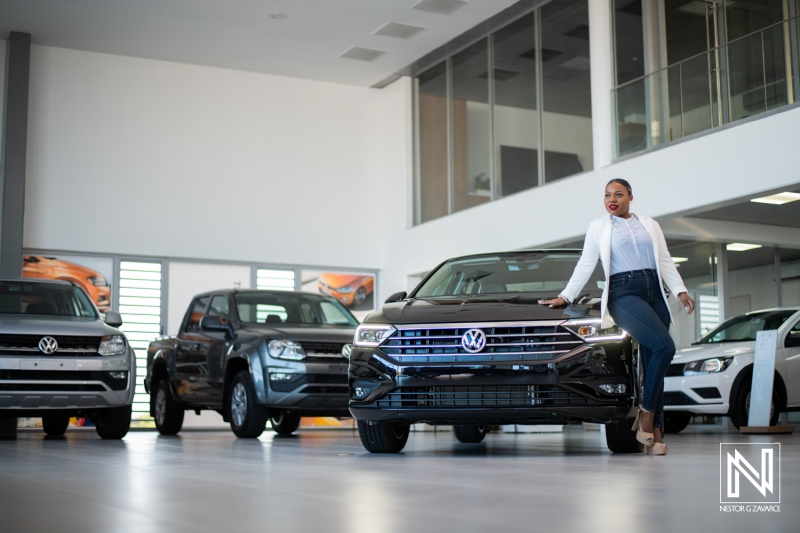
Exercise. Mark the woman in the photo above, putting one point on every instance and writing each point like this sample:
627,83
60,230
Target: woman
635,259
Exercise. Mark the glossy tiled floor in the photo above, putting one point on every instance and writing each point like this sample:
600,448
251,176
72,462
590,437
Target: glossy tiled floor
323,481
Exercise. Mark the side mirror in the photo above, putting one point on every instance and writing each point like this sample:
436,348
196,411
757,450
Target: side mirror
216,323
113,319
396,297
792,341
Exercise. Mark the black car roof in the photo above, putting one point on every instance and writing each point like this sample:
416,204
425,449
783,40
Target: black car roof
521,252
38,280
269,291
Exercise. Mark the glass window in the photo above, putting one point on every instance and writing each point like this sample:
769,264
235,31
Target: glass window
566,94
516,117
470,126
508,274
432,143
219,306
195,314
744,327
790,277
628,40
21,298
291,308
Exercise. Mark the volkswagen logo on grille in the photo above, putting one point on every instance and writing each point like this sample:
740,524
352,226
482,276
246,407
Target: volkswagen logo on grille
473,340
48,345
346,350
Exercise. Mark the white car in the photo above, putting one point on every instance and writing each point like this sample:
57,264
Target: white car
713,376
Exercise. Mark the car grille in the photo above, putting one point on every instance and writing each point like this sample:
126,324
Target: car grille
50,387
303,379
58,375
677,398
481,396
29,345
503,343
323,351
675,369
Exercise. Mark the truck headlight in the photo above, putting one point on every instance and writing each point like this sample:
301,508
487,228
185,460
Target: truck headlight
707,366
372,335
345,290
590,330
98,281
286,349
112,345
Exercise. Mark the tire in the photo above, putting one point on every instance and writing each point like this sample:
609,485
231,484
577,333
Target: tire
740,409
55,426
285,424
469,434
248,418
113,424
676,421
383,438
168,412
620,438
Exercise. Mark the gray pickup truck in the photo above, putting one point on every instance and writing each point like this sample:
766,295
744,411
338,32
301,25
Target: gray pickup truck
253,356
59,359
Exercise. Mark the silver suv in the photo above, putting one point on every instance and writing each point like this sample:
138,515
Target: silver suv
59,359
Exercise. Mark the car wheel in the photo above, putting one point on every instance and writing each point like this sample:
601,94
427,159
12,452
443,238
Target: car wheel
168,412
285,423
676,421
469,434
113,424
740,410
361,295
383,438
55,426
248,418
620,438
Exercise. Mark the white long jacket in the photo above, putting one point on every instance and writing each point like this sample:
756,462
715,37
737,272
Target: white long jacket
598,246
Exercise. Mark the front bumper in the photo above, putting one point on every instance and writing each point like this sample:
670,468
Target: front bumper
707,394
490,394
39,384
315,388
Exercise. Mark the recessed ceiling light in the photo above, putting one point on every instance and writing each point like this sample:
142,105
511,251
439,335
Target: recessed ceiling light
741,246
679,259
396,29
778,199
279,16
362,54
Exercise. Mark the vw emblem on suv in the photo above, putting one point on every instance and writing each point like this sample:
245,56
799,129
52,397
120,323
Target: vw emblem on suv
346,350
48,345
473,340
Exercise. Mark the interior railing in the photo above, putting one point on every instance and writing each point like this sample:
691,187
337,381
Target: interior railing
744,77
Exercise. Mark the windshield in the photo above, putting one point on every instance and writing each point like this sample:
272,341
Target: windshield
291,308
24,298
744,327
541,273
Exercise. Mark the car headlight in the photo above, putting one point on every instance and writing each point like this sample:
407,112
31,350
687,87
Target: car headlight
112,345
707,366
591,331
345,289
372,335
98,281
285,349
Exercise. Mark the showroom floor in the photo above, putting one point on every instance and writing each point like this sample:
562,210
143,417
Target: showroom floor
323,480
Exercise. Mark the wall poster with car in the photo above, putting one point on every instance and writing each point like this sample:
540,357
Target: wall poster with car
355,290
92,274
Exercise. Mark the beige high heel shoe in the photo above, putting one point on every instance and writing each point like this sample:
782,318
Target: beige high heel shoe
648,439
659,448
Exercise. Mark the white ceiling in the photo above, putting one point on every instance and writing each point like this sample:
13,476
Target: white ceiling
241,34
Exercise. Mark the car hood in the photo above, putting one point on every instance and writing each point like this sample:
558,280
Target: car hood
483,309
707,351
54,325
304,333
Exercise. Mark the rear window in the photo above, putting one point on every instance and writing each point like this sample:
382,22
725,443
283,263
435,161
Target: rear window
23,298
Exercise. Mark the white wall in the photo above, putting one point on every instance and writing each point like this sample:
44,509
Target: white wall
137,156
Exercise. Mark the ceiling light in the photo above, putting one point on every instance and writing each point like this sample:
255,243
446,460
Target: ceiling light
442,7
679,259
396,29
279,16
362,54
741,247
778,199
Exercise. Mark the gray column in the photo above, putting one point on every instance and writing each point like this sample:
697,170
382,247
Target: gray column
722,281
778,289
601,58
14,149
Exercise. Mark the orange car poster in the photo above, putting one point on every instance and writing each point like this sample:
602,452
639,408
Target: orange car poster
356,290
92,274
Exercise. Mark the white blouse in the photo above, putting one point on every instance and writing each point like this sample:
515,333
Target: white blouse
631,246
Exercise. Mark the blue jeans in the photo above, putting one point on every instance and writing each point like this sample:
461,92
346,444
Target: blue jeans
637,306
